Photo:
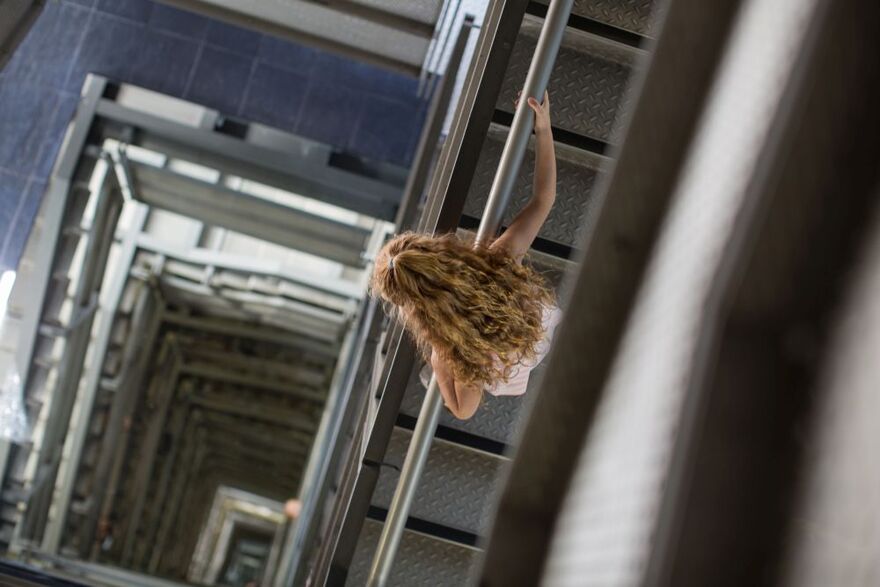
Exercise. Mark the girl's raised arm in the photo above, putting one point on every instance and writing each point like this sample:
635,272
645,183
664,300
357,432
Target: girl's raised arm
518,237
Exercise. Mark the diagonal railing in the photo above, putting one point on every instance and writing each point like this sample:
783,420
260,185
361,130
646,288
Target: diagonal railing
499,197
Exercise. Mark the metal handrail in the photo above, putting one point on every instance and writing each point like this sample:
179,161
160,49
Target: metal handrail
424,163
499,197
317,475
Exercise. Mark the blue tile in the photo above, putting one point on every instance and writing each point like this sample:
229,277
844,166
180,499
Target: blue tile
136,10
110,48
180,22
233,38
164,63
385,130
220,79
275,97
22,224
55,133
334,69
26,114
285,54
330,114
46,53
402,87
13,188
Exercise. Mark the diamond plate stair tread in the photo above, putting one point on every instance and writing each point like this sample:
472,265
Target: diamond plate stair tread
496,419
456,489
587,87
421,560
573,203
629,15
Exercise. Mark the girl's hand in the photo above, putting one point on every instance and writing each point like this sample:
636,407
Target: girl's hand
542,111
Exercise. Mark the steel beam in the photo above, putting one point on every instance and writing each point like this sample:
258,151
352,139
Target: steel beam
367,35
162,391
248,331
264,267
70,468
221,206
308,172
88,287
146,319
317,469
36,281
213,372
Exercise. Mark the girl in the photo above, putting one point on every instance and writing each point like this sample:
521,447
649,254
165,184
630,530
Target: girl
482,318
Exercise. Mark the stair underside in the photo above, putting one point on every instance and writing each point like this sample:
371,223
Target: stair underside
629,15
421,560
588,83
456,488
576,176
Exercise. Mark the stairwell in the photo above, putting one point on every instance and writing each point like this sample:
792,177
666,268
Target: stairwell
604,43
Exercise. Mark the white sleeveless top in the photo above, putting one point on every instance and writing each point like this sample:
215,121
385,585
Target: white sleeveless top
519,376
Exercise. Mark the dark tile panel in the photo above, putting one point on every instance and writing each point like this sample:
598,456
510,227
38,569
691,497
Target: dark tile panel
401,87
12,188
165,63
352,74
220,79
24,120
180,22
332,112
386,129
21,225
64,111
275,97
44,56
233,38
286,55
135,10
111,47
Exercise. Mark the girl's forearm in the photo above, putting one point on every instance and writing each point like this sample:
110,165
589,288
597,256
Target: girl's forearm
544,184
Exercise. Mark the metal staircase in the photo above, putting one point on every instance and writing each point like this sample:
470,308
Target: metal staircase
602,44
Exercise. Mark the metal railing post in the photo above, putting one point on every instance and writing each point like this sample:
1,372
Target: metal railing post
499,196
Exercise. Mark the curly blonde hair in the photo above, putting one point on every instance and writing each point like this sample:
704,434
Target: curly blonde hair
479,309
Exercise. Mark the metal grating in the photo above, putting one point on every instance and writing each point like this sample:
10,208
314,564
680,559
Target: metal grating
497,419
575,179
629,15
587,86
456,488
421,560
604,529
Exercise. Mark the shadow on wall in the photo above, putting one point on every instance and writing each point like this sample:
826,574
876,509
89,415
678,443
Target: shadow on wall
352,106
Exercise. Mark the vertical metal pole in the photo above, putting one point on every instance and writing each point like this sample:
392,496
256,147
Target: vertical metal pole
499,196
398,512
326,437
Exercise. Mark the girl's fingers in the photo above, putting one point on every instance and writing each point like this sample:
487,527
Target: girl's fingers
533,104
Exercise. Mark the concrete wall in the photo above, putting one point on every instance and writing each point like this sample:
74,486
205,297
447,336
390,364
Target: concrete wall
352,106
